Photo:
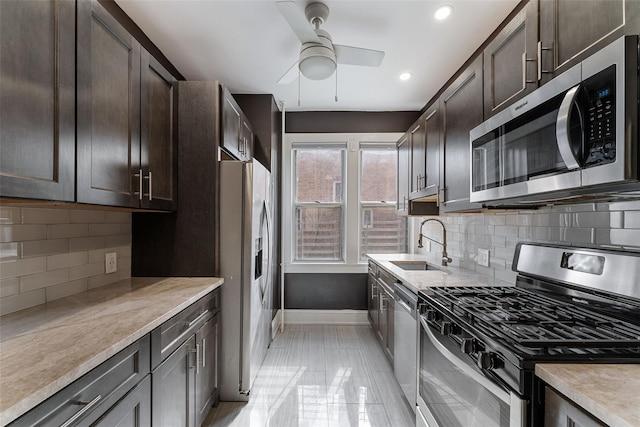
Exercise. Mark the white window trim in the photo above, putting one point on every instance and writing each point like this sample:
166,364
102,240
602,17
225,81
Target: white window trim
352,264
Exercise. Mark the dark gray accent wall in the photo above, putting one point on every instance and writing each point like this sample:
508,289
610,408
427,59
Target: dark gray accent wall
325,291
349,121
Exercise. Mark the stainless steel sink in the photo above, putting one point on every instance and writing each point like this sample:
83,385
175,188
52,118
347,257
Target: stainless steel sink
416,266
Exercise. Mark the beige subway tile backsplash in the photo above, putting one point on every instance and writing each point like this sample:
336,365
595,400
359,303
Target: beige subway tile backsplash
586,224
46,254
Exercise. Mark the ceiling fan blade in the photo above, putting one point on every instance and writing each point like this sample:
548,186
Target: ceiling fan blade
297,20
358,56
290,75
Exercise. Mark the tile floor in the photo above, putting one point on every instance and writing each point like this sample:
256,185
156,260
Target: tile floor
324,376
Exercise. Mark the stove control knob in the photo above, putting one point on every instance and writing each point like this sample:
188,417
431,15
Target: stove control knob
468,345
431,315
486,360
446,328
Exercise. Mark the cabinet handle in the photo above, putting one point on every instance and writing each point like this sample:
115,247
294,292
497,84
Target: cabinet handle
81,412
194,321
540,70
139,175
437,196
204,363
524,70
197,359
150,193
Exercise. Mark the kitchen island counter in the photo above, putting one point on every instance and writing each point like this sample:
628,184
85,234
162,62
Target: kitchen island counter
47,347
422,280
609,392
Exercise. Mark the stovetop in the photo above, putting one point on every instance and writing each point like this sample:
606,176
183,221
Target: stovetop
529,323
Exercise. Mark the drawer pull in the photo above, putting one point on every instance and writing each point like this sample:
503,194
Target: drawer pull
197,319
81,412
203,353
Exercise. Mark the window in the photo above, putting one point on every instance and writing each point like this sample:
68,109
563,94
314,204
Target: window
319,203
381,229
339,193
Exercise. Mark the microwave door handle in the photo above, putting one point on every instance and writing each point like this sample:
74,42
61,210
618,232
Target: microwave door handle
562,129
496,390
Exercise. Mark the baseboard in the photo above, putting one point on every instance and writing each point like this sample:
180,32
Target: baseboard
345,317
275,323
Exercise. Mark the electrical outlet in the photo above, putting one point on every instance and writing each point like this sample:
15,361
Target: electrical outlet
111,262
483,257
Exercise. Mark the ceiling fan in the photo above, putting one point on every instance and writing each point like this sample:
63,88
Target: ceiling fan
318,55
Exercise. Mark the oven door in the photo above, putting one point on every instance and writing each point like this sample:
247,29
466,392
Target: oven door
453,392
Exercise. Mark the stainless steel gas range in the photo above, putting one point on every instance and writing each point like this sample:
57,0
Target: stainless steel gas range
479,346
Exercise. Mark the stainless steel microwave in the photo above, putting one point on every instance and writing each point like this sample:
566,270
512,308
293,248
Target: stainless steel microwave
575,136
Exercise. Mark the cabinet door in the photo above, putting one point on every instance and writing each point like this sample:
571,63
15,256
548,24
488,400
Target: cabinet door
461,111
158,145
510,61
404,169
372,297
432,136
173,388
108,109
418,152
390,326
382,316
570,30
207,339
37,99
375,305
231,126
134,410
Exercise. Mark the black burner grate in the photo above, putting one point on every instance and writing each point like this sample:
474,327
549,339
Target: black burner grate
532,320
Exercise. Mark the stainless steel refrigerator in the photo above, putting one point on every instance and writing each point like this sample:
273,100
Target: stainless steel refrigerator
246,244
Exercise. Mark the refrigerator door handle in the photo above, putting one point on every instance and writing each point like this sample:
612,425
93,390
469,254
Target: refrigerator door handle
267,215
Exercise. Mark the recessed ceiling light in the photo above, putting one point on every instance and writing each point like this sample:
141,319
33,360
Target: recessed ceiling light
443,12
404,76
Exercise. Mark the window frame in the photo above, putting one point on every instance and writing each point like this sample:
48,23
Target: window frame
351,199
368,205
342,204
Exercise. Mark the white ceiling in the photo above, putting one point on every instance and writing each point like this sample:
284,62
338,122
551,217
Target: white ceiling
248,46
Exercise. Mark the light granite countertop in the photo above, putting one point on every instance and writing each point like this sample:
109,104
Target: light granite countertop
610,393
47,347
422,280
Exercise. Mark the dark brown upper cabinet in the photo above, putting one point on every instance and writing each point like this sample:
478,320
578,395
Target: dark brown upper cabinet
237,136
425,154
570,30
511,60
37,99
126,135
108,129
461,109
404,173
158,153
418,155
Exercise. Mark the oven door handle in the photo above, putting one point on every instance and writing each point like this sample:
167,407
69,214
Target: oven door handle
562,129
496,390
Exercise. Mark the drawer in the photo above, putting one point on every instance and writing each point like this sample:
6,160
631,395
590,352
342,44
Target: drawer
166,338
89,397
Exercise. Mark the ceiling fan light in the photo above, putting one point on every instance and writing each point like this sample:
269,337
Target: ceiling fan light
443,12
317,67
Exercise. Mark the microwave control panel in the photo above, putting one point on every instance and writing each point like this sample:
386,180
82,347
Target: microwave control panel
600,130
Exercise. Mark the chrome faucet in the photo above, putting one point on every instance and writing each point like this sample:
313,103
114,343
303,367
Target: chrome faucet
445,259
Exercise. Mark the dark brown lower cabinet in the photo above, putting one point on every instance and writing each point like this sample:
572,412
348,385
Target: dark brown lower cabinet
173,388
185,380
133,410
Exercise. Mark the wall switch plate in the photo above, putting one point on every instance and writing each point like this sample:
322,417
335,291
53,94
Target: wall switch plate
483,257
111,262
